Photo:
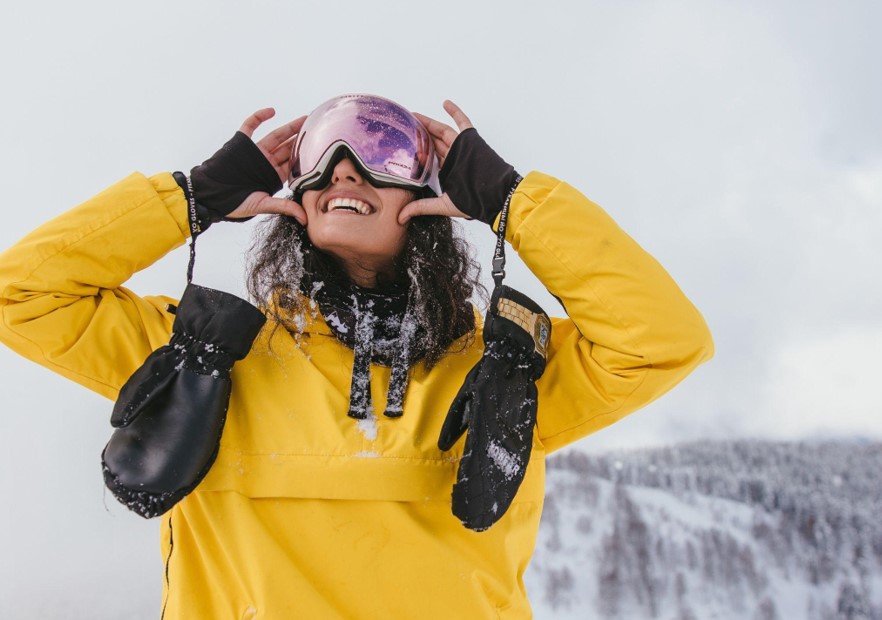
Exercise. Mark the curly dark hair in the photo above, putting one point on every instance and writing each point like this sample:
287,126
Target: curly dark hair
436,264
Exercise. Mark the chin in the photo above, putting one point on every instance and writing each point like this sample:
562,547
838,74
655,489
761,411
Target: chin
357,245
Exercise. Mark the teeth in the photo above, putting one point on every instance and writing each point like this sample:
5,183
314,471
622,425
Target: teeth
350,204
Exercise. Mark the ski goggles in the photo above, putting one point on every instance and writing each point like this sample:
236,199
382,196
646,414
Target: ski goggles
387,144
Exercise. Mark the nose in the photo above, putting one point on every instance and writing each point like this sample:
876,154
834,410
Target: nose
346,170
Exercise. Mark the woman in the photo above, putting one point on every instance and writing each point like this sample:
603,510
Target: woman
308,512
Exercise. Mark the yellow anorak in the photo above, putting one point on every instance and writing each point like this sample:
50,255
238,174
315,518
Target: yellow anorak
308,513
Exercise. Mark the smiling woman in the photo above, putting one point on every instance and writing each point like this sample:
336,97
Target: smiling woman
283,492
357,224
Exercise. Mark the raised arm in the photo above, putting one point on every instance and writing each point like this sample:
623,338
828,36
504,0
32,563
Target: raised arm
631,334
62,303
62,299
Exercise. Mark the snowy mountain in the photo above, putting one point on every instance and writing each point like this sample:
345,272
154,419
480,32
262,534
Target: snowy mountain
736,530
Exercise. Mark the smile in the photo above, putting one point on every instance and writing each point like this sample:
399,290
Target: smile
352,205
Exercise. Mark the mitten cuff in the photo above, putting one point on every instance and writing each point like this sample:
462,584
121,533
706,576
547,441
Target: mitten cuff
218,318
514,315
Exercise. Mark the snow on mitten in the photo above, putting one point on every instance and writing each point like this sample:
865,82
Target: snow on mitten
497,404
170,413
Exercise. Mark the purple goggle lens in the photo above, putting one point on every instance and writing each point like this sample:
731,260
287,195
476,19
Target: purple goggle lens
387,143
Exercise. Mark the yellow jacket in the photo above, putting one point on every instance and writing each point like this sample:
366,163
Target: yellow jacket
308,513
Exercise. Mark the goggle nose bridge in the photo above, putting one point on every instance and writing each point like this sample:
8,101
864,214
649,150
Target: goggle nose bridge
337,151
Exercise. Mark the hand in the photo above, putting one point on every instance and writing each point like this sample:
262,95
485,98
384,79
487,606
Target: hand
442,139
475,180
497,407
170,414
276,146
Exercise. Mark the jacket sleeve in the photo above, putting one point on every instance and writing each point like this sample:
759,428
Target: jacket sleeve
631,334
62,303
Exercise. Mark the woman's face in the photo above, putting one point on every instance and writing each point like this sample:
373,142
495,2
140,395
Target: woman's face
356,222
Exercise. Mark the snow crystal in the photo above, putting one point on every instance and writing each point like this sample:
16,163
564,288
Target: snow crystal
299,321
336,324
368,427
367,454
507,462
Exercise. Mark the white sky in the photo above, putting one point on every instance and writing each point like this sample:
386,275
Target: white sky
740,143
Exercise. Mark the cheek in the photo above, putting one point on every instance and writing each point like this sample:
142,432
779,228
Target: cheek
316,226
392,233
397,239
309,201
315,239
394,198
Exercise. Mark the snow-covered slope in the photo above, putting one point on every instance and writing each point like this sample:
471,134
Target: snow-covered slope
739,530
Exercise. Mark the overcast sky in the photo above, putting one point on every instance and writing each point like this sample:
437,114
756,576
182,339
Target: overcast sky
740,143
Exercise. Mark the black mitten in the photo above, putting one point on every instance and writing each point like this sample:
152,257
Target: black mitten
170,413
476,178
222,182
497,405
